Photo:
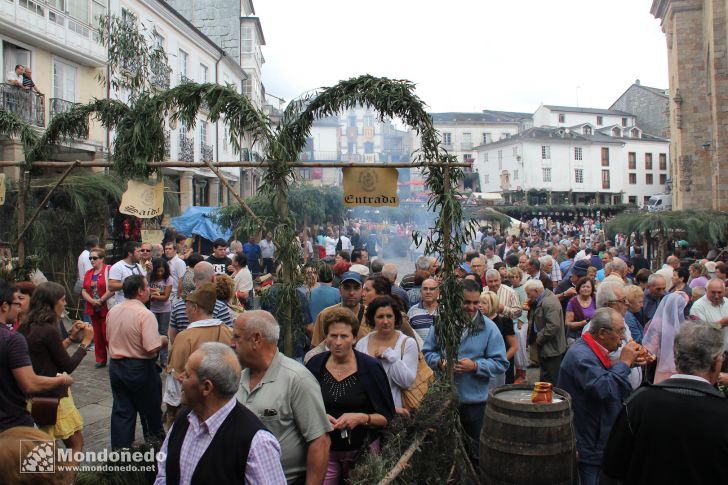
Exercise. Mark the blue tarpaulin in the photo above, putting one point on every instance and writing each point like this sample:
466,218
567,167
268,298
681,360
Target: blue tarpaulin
196,222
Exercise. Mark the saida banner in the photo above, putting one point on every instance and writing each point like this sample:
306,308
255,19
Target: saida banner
142,200
376,187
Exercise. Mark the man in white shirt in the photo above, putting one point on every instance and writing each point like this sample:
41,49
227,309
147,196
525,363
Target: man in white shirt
268,252
713,307
15,77
671,264
330,244
125,268
177,267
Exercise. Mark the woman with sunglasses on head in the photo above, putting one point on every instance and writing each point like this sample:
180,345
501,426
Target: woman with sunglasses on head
95,294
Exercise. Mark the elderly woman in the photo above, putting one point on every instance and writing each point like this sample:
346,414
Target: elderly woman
635,297
49,357
521,359
698,275
397,352
243,279
489,308
580,309
225,291
95,294
186,282
356,393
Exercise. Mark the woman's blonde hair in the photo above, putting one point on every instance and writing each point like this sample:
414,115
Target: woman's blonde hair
492,300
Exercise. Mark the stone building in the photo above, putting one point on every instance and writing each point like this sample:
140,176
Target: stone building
696,38
649,105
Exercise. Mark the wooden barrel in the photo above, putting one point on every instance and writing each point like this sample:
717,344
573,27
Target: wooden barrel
524,443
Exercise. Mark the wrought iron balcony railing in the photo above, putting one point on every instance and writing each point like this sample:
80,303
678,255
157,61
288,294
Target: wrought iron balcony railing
58,105
206,152
160,77
26,104
186,149
184,79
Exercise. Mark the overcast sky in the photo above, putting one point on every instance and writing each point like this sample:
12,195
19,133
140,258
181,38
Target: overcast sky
467,55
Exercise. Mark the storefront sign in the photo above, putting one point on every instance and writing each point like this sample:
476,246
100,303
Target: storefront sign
370,186
142,200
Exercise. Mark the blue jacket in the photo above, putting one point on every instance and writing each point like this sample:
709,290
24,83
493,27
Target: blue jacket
596,398
486,348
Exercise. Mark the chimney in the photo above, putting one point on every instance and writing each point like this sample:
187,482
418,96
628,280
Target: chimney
637,82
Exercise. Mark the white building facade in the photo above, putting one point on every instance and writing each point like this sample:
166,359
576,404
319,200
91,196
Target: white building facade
613,162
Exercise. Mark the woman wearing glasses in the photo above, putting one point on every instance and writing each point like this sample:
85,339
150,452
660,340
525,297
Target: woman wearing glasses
95,294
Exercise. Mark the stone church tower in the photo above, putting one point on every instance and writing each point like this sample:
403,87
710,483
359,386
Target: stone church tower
697,42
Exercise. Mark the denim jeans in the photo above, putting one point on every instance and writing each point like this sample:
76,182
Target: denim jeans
589,474
136,388
163,328
471,418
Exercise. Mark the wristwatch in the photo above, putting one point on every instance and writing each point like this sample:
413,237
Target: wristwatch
83,347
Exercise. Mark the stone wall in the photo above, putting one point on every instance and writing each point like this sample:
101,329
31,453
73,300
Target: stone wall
217,19
696,38
651,109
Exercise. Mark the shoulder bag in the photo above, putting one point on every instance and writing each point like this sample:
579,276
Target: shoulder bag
412,397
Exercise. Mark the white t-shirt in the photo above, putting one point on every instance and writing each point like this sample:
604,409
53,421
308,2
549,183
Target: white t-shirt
83,264
12,76
401,369
120,271
177,269
243,280
345,243
330,244
267,249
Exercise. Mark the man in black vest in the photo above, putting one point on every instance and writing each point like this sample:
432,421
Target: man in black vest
218,440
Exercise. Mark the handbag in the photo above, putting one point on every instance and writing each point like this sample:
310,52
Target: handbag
412,397
44,410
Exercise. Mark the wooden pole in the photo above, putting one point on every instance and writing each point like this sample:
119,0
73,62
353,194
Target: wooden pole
234,164
403,461
25,228
235,194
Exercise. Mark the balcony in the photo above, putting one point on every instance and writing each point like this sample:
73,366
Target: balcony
160,77
206,153
27,105
184,79
58,106
186,149
42,26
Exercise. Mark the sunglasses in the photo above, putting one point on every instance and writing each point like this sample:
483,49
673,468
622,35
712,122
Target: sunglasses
93,258
145,250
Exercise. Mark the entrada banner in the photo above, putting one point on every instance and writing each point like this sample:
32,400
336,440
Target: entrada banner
142,200
370,186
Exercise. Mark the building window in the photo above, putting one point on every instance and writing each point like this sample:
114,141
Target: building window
662,157
578,153
368,147
579,175
515,175
184,65
247,38
203,73
648,161
624,121
587,130
605,179
633,199
352,121
633,179
635,133
485,157
486,138
447,138
616,131
248,87
600,120
562,118
500,155
468,139
646,200
605,156
203,133
368,121
648,179
546,174
663,179
486,178
632,160
515,151
64,81
545,152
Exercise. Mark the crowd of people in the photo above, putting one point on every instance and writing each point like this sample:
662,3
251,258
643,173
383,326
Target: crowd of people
189,351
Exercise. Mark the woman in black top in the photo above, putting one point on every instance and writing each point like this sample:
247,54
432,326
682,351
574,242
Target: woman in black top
355,390
49,356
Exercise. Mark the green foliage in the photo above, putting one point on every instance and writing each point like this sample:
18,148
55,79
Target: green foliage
133,60
697,227
484,213
522,211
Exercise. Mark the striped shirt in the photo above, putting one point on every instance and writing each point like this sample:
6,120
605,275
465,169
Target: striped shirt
179,321
263,465
421,320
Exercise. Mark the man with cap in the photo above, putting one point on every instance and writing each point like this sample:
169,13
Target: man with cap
567,288
199,307
350,289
